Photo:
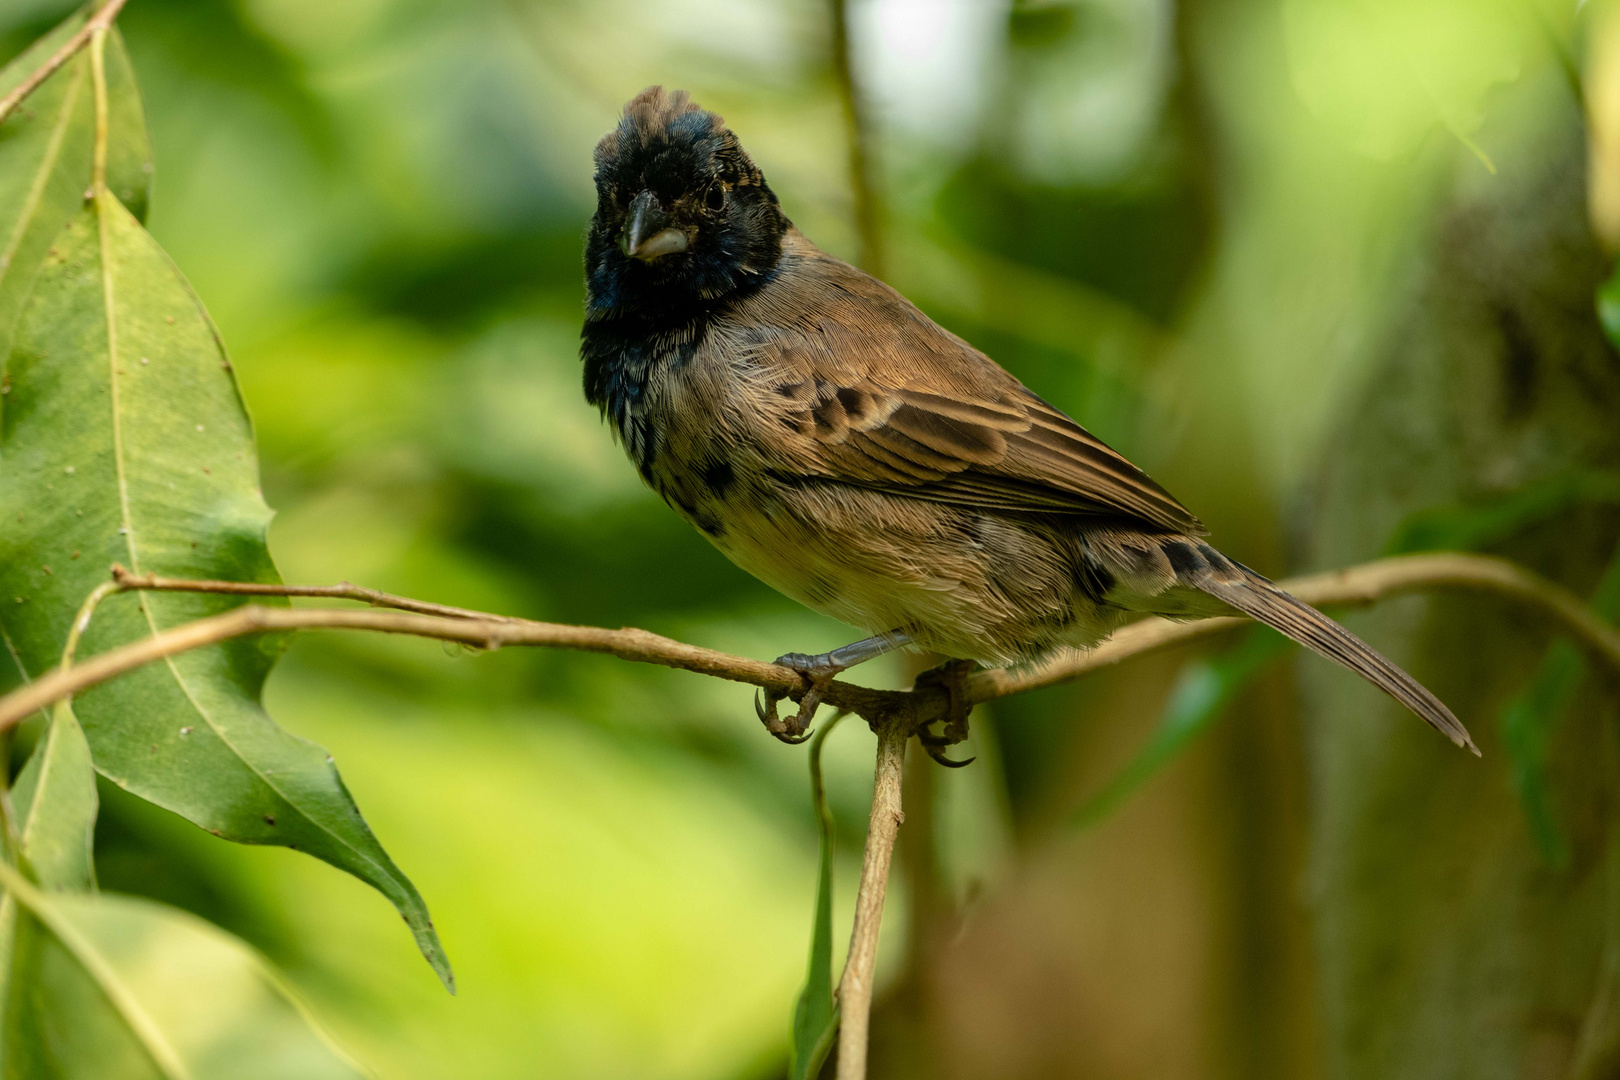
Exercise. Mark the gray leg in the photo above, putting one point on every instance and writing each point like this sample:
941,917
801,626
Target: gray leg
818,671
832,664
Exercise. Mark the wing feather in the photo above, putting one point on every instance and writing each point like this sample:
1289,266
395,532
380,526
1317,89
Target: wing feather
874,393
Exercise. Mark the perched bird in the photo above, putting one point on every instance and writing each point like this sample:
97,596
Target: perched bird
836,443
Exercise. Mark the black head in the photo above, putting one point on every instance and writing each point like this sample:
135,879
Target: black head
683,216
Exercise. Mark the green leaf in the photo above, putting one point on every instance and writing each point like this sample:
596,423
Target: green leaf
118,988
1474,525
1534,715
1608,306
1527,726
55,802
125,441
1200,696
129,147
46,147
45,150
815,1015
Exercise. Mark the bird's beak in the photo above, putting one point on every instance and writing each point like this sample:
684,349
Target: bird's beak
647,234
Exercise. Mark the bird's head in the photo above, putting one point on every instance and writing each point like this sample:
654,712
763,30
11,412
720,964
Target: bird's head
683,215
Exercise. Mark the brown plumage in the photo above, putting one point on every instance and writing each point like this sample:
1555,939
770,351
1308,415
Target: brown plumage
838,444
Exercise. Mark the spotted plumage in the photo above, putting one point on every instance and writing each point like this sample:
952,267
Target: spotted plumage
839,445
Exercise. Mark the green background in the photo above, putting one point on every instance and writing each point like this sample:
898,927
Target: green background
1231,237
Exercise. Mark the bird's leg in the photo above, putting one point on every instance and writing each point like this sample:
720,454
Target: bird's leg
817,671
951,676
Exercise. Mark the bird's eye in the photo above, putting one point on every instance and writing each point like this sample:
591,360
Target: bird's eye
715,197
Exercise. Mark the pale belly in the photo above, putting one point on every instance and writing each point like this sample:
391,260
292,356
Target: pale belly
961,585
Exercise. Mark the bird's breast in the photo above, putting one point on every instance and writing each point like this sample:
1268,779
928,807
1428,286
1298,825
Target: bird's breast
635,375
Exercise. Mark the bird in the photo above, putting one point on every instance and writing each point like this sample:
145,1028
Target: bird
839,445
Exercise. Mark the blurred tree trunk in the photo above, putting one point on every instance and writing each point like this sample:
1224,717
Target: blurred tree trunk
1449,946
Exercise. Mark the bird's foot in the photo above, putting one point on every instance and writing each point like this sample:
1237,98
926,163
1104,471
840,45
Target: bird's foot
950,676
817,672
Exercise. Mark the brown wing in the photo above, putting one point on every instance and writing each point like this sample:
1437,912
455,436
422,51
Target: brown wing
874,393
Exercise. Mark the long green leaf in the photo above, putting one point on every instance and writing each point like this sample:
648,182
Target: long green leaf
56,805
45,149
1200,696
129,148
112,987
1527,726
1474,525
815,1015
125,441
1533,717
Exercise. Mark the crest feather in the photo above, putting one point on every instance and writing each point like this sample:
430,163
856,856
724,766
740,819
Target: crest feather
653,116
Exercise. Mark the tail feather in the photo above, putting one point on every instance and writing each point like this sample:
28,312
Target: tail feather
1259,599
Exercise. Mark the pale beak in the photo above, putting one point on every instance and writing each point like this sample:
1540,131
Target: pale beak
647,234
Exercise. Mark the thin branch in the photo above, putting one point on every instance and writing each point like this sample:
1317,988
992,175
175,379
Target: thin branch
1357,585
855,986
81,621
487,633
341,591
863,189
98,22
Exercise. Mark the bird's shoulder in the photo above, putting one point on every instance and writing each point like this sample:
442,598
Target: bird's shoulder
851,381
820,317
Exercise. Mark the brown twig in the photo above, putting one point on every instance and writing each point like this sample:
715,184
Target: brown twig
341,591
863,189
98,22
488,633
855,986
1357,585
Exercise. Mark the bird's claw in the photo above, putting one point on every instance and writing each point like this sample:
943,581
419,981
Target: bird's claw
794,730
949,676
950,763
816,673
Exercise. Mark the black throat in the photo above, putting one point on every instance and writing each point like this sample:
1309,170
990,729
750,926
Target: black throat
625,353
648,332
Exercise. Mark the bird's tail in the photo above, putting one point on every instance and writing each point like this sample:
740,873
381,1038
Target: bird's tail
1261,600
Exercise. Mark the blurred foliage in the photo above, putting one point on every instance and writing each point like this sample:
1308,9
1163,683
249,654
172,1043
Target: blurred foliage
1531,719
1489,520
1187,224
815,1014
112,986
1203,691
